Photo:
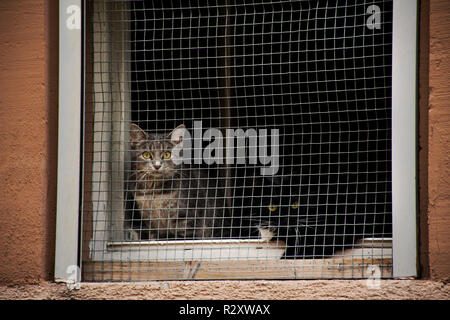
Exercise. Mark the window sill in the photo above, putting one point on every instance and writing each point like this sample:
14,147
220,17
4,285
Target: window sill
199,250
229,259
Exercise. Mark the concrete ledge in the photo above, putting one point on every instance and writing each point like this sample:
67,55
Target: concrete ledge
240,290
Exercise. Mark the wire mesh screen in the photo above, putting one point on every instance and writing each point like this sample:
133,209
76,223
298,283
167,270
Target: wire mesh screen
238,141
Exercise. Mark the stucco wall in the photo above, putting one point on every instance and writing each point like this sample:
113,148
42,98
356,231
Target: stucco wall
28,139
239,290
438,204
28,150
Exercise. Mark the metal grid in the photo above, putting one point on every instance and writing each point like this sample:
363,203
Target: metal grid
316,75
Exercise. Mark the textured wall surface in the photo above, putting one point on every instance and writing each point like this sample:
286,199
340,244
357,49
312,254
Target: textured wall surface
28,130
439,141
227,290
28,149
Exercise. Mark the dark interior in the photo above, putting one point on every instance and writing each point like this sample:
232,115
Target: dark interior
312,69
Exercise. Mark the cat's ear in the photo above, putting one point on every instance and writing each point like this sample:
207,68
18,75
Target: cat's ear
177,134
136,135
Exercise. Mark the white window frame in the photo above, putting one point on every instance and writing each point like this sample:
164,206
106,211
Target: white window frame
69,140
68,235
404,138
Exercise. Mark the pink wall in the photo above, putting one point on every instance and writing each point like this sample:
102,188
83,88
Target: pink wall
28,139
438,200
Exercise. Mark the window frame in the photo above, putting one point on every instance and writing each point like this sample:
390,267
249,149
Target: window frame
404,138
70,144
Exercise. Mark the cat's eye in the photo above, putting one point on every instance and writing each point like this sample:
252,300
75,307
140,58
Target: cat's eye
295,205
167,155
272,208
146,155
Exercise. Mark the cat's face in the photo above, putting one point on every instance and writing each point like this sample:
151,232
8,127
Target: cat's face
277,205
283,206
151,155
274,199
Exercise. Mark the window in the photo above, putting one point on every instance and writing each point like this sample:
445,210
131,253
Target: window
291,114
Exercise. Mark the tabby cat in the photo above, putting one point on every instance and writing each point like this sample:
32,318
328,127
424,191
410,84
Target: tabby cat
175,201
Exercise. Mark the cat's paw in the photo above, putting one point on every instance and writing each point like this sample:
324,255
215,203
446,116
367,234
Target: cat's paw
132,235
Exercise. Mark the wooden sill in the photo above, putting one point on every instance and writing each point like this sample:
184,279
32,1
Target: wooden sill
356,263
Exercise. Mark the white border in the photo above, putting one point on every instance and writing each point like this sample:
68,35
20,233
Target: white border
69,131
404,138
404,141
